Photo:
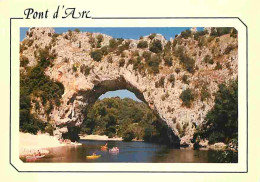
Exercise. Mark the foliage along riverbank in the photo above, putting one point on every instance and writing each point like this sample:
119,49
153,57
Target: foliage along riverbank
124,118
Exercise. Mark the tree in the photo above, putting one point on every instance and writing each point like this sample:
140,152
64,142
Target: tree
129,136
124,118
36,83
221,123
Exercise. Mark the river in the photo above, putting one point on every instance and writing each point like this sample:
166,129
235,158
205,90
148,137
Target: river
140,152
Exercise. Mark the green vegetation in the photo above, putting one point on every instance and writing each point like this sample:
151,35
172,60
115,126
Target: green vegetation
150,63
153,64
77,30
220,31
84,69
114,43
142,44
165,96
229,48
70,33
186,34
202,42
155,46
187,96
147,55
124,118
160,82
168,60
121,62
23,47
185,79
92,41
199,34
96,55
74,68
30,42
138,65
36,83
128,136
233,33
208,59
172,79
204,92
152,36
187,62
99,40
123,47
24,61
218,66
226,156
221,122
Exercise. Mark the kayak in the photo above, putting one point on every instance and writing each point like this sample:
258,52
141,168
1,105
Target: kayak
93,156
103,147
114,150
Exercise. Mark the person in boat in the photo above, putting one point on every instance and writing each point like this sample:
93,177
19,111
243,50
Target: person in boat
115,149
105,145
94,154
38,153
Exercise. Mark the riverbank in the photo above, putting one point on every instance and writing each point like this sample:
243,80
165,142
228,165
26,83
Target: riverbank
104,138
31,144
99,137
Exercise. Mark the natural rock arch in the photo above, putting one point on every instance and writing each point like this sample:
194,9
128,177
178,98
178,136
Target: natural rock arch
85,80
84,99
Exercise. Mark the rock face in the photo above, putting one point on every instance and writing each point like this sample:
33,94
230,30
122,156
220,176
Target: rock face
83,88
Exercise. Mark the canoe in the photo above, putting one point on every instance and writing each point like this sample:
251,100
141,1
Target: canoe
93,156
34,157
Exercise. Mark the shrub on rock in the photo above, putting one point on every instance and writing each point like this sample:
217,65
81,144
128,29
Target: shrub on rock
96,55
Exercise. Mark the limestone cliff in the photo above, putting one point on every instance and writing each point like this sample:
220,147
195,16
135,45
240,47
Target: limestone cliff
126,65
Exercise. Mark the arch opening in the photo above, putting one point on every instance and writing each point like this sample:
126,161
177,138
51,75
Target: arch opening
144,123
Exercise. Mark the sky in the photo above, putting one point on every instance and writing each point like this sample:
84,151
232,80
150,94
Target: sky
121,32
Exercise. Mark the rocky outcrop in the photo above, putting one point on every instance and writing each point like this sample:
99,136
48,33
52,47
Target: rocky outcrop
85,80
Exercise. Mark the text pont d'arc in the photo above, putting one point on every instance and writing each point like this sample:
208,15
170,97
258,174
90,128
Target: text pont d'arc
61,12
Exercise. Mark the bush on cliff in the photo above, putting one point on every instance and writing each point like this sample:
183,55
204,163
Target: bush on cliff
186,34
96,55
156,46
187,96
142,44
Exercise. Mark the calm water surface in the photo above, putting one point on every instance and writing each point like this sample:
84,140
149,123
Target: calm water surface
129,152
